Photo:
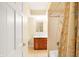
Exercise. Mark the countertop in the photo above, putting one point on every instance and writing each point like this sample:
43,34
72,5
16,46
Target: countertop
40,35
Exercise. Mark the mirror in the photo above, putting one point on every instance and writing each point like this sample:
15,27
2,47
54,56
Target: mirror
39,27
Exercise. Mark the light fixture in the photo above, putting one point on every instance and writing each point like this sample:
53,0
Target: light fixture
40,18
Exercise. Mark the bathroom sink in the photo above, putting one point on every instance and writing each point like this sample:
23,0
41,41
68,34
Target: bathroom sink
40,34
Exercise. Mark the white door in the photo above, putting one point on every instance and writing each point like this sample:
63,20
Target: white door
10,31
14,26
3,30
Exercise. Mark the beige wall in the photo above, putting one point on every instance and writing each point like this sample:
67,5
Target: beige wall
45,25
26,15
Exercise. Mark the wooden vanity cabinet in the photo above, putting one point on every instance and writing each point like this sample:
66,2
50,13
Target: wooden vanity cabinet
40,43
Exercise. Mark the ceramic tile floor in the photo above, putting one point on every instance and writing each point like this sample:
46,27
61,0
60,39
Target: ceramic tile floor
37,53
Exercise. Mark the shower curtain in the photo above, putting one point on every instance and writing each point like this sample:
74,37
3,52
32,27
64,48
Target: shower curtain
69,42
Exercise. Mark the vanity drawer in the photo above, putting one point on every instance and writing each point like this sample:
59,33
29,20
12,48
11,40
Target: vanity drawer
40,43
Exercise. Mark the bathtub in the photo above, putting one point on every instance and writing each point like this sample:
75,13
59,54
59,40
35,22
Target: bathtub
53,53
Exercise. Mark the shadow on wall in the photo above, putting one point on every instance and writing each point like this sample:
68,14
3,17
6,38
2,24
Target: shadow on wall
31,43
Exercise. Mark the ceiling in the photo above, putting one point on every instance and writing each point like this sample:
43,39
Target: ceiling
38,5
37,8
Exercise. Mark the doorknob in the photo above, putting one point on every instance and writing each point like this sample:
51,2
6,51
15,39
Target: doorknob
24,44
57,43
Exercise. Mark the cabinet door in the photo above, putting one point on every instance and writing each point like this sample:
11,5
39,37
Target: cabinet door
36,43
43,43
